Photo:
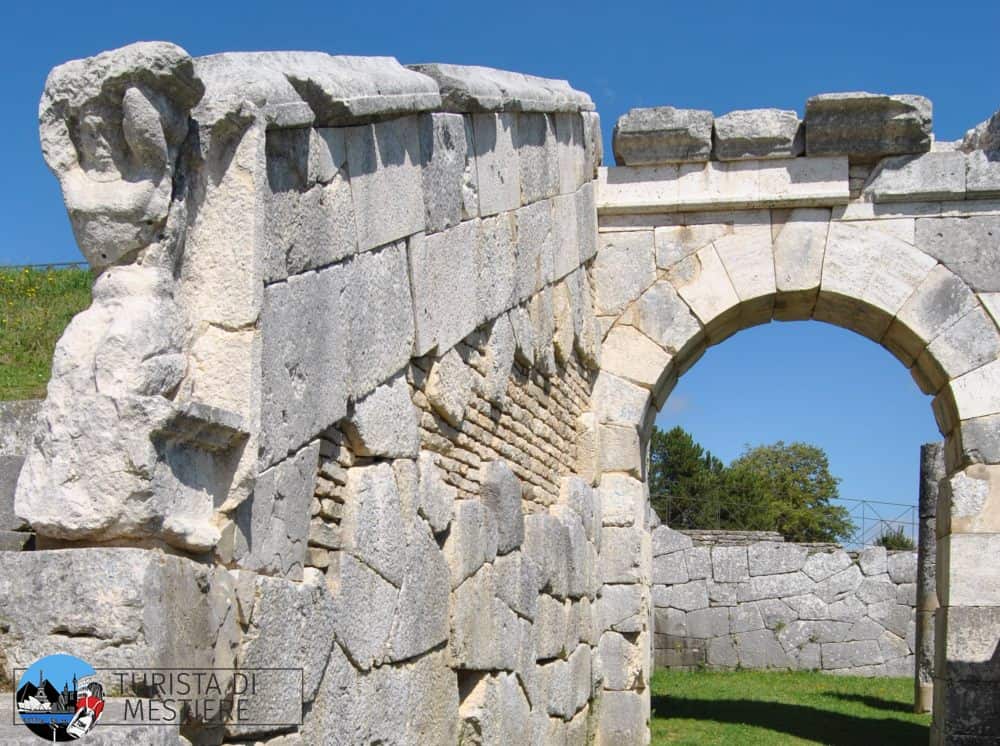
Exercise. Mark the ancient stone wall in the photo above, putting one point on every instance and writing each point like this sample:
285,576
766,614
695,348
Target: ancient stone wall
330,395
760,604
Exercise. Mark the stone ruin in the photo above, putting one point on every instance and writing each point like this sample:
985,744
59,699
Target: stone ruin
375,352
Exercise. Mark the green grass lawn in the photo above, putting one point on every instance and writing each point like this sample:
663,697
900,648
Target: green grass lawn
35,307
747,708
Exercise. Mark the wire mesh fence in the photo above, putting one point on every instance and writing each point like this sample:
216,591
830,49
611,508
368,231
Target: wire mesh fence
871,520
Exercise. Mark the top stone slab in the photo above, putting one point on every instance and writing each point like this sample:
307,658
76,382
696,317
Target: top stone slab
471,88
662,134
867,126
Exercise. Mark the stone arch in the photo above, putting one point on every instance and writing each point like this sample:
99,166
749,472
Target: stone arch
687,281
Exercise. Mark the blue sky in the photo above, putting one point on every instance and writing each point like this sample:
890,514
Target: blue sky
721,56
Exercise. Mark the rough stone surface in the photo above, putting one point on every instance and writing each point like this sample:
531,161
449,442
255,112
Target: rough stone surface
502,495
662,135
867,125
758,133
384,422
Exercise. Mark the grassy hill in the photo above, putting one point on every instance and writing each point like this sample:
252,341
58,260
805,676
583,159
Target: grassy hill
35,307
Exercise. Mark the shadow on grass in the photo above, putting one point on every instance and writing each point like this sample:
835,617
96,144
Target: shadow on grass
810,723
876,703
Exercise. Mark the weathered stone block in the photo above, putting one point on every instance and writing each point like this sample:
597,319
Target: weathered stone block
471,541
444,277
501,493
822,565
629,353
850,654
760,649
444,154
729,564
616,400
497,273
619,449
496,163
669,569
799,245
867,125
373,527
685,596
435,498
450,386
771,558
909,178
839,585
968,246
774,586
537,155
621,608
623,269
535,248
758,133
701,280
384,164
708,623
384,422
662,135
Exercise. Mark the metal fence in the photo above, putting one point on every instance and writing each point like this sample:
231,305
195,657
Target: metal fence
871,519
49,265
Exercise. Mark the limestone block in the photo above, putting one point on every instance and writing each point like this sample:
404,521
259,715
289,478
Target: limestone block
702,282
444,280
593,142
586,222
808,606
847,609
577,560
623,720
875,589
484,630
668,569
497,361
975,394
797,634
661,315
699,562
616,400
677,242
281,626
771,558
799,245
774,586
760,649
722,652
517,583
550,628
444,154
662,135
495,711
864,629
310,212
623,501
565,241
666,541
497,274
776,613
758,133
624,267
630,354
622,609
449,387
729,564
850,654
10,469
384,423
894,617
969,502
575,493
501,493
969,636
618,449
685,596
839,585
472,540
272,526
908,178
745,618
571,154
979,440
537,155
524,335
903,567
708,623
496,163
436,498
373,527
384,164
867,276
968,246
546,542
822,565
130,618
938,303
536,246
477,88
420,617
969,343
906,594
303,385
982,174
867,125
621,662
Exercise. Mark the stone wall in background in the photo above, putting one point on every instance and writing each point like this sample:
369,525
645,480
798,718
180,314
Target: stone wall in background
17,424
726,602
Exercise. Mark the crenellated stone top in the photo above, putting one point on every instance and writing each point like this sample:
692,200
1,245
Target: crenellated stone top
862,126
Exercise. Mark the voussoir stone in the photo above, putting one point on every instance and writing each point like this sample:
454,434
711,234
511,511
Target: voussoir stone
758,133
867,125
662,134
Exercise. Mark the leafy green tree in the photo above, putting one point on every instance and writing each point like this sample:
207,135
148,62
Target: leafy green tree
777,487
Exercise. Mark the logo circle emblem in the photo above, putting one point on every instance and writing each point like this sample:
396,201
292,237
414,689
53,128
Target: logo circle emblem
59,698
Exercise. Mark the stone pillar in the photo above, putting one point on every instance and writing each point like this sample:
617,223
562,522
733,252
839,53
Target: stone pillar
932,471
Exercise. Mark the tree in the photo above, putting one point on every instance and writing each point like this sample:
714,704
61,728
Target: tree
777,487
